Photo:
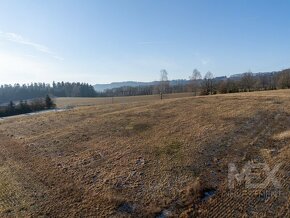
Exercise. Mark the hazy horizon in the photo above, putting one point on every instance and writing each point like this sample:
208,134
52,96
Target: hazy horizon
113,41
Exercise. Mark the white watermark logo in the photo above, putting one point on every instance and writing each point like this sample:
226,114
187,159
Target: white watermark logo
255,175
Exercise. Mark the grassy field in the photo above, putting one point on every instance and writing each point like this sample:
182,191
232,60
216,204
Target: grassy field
146,158
73,102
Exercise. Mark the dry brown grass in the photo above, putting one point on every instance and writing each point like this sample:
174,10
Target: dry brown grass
72,102
143,158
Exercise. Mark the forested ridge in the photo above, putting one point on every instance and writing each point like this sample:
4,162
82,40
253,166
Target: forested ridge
39,90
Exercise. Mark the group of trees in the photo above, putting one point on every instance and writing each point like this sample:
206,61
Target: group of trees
248,82
38,90
198,85
245,82
67,89
128,91
23,107
209,85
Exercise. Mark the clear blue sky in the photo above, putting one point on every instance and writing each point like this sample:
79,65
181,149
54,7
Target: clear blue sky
101,41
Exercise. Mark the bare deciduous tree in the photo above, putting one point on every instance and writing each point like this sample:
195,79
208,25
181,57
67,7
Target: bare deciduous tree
248,81
284,79
164,83
194,81
263,81
208,83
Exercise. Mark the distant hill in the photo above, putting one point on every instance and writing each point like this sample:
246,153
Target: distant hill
238,76
103,87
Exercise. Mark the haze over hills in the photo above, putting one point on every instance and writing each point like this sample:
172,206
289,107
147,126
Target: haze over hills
103,87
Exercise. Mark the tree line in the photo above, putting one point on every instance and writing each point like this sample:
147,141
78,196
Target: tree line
39,90
197,84
27,106
208,84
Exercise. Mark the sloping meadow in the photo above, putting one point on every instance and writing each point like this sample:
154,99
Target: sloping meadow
162,158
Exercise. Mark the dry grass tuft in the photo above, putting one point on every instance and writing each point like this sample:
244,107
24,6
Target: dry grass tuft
191,193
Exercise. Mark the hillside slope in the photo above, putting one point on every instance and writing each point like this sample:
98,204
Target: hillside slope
159,159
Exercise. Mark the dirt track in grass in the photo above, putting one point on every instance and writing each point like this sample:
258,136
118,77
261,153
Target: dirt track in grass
147,159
